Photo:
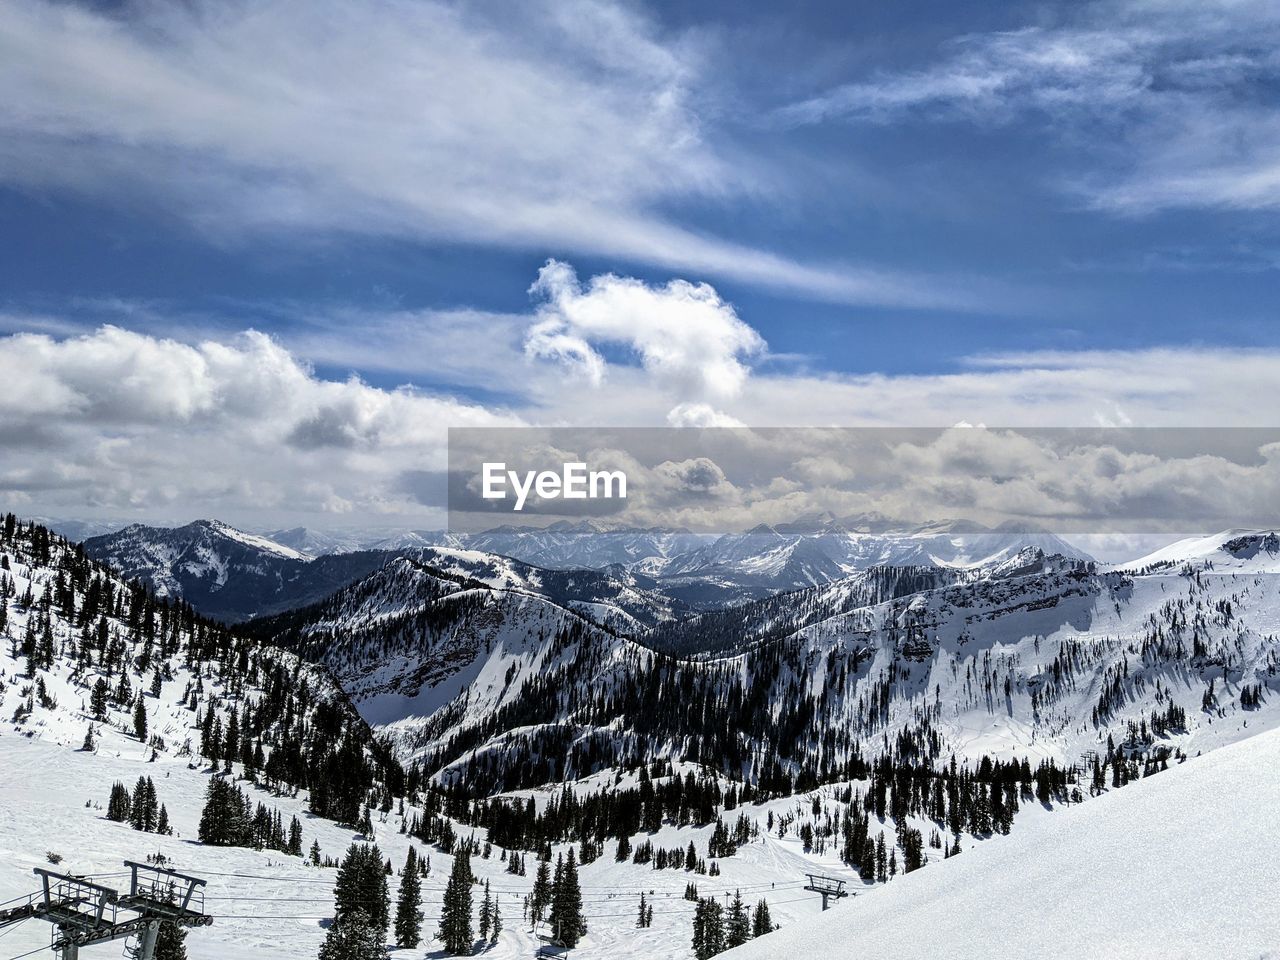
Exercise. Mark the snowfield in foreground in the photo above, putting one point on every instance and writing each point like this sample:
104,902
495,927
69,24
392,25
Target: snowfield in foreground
1182,865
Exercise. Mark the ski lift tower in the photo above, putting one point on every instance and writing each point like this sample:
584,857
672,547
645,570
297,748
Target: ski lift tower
81,912
828,887
85,914
162,896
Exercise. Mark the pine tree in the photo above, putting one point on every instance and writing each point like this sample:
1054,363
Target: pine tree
708,928
119,803
361,886
353,937
143,806
140,720
737,927
455,912
640,922
171,942
540,898
89,745
761,922
497,923
162,823
98,700
225,821
566,902
409,904
486,911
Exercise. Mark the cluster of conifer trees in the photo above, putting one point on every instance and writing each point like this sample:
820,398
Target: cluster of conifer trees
141,809
717,928
229,819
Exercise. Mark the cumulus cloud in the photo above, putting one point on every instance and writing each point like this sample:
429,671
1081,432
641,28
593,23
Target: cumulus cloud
700,415
685,336
120,421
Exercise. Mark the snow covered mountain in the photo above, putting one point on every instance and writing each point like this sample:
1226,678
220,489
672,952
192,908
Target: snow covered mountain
1032,655
863,728
405,640
770,559
226,573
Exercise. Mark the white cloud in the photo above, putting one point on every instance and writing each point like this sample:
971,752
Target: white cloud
1169,96
562,124
685,336
119,421
122,422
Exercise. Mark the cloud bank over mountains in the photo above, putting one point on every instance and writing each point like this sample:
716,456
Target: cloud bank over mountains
119,420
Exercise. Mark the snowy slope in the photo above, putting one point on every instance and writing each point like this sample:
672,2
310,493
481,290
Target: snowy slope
269,906
1182,865
1231,551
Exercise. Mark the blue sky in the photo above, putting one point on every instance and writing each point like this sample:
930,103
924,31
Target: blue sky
915,211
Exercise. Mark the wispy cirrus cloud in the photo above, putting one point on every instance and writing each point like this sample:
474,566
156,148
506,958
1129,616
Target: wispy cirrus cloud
1171,101
558,125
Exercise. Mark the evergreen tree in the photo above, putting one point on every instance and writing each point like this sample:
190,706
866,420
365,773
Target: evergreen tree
455,912
566,902
540,898
140,720
641,920
119,803
353,937
708,928
89,745
171,942
143,808
761,922
737,929
497,923
162,822
486,912
409,904
361,886
223,822
98,700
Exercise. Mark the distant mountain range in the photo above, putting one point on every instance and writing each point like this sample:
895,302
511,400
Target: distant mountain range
233,575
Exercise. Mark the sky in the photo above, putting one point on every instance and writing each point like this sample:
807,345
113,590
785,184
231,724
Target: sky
255,258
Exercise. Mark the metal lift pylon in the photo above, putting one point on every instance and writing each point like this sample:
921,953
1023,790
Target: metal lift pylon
84,913
828,887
